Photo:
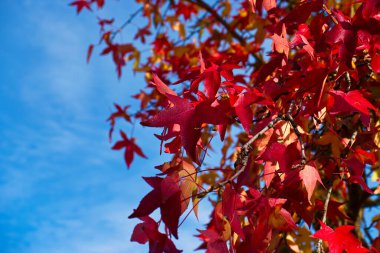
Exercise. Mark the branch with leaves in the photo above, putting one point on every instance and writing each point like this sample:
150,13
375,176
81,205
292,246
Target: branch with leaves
306,115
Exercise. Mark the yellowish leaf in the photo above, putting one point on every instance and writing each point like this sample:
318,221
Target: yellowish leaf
292,243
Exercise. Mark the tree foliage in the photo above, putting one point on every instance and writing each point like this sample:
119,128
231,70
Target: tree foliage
291,88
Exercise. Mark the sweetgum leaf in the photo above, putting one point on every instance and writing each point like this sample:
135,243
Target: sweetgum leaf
352,101
165,195
340,240
190,118
130,148
309,175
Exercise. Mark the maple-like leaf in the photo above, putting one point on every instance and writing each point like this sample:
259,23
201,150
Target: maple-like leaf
142,33
243,106
300,39
118,51
165,195
256,5
161,86
340,240
130,148
309,175
99,3
352,101
80,4
120,113
214,243
103,22
230,204
280,43
190,117
148,231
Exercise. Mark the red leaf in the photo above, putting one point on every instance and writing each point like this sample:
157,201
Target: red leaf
148,231
190,118
375,64
100,3
212,81
309,175
165,195
130,148
162,87
120,113
89,52
141,33
119,51
243,109
171,211
301,40
353,101
80,4
280,43
340,240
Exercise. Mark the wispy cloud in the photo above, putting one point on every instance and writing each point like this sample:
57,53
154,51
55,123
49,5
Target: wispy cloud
62,188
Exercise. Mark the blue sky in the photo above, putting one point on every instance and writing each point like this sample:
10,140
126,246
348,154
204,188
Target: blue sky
62,188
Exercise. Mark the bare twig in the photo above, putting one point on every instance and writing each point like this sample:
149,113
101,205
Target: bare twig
325,207
133,15
366,231
224,23
327,10
242,160
288,117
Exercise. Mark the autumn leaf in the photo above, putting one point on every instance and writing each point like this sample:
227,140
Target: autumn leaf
280,43
165,195
190,118
120,113
89,52
318,83
118,52
142,33
130,148
352,101
340,240
243,106
309,175
80,4
300,39
162,87
148,231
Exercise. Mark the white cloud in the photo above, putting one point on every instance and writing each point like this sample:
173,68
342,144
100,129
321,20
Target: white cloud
59,177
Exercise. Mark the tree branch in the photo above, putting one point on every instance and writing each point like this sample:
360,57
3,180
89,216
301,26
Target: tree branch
131,17
242,160
327,10
289,118
223,22
324,217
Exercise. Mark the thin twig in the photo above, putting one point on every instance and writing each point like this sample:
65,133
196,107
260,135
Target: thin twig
366,231
224,23
194,31
294,125
133,15
325,207
327,10
242,160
